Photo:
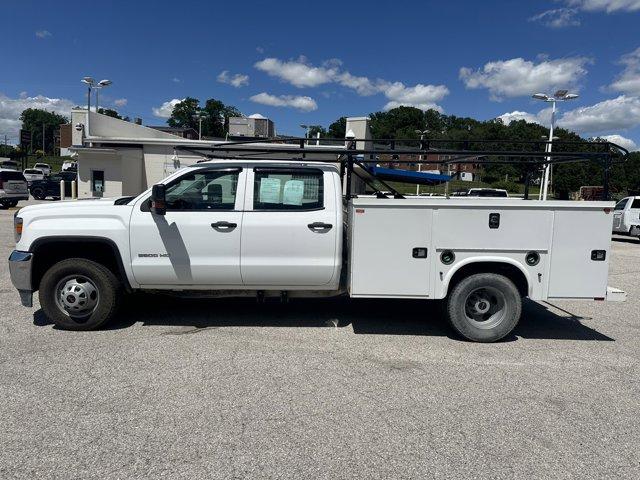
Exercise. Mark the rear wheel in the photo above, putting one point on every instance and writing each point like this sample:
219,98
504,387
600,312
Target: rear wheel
484,307
38,193
79,294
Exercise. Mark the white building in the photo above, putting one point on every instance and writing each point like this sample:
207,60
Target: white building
119,158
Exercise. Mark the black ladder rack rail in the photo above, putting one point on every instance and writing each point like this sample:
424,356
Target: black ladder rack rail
530,153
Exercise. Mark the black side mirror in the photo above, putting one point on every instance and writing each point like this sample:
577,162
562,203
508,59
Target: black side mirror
158,200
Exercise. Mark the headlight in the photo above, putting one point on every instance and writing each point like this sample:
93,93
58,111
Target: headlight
17,227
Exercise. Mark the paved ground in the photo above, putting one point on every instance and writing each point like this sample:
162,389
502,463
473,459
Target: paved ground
209,389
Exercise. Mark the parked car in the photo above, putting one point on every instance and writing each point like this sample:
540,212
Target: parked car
13,188
9,165
32,174
50,186
45,167
626,214
481,192
70,167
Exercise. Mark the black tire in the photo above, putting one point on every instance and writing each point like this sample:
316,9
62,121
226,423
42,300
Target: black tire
4,205
12,203
38,193
99,278
468,300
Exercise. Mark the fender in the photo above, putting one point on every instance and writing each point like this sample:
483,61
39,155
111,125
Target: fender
122,271
483,259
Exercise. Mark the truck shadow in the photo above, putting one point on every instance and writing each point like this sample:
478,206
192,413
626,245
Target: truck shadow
366,317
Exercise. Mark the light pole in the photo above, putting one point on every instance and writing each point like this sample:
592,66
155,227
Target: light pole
89,81
306,130
559,96
199,116
101,84
422,133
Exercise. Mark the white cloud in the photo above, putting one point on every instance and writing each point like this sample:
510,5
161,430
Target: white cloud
165,110
629,80
43,34
301,74
175,80
11,109
236,80
420,96
557,18
608,6
120,102
519,77
624,142
302,103
610,115
297,72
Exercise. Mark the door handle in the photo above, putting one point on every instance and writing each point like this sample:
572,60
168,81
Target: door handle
224,226
319,226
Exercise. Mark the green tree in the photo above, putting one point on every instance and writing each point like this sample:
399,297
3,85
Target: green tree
215,116
315,129
338,129
109,112
33,120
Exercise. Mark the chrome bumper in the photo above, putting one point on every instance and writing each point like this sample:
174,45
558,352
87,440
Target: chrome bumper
20,271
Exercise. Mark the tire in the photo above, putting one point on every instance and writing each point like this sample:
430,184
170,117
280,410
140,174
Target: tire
12,203
79,294
484,307
38,193
4,205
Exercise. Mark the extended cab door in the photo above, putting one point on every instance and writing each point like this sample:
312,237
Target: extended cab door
289,231
197,243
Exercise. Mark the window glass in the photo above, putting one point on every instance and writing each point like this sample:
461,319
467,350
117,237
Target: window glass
620,205
211,190
636,203
284,189
97,180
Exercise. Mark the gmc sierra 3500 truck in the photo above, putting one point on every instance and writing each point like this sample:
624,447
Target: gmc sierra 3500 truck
283,228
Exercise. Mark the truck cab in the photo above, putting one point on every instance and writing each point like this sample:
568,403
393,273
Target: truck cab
626,214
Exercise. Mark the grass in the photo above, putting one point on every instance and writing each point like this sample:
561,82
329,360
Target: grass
54,161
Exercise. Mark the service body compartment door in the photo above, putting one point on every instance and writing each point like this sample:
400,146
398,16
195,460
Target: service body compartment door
391,251
577,236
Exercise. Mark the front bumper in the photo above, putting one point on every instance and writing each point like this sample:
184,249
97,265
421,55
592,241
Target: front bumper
20,264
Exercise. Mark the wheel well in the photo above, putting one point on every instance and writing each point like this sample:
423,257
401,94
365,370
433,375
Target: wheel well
49,252
512,272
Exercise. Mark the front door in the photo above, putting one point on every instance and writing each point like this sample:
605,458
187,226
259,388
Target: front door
289,233
197,243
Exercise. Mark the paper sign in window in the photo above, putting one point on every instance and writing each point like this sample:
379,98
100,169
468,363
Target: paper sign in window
270,190
293,192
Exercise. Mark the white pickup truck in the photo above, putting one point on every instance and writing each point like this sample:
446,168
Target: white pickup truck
284,229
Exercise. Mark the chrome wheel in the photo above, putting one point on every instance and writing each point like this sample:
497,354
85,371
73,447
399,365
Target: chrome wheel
77,296
485,307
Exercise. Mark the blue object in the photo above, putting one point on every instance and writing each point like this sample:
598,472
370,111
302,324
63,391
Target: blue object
408,176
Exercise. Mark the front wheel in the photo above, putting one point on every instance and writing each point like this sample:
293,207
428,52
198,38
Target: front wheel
79,294
38,193
484,307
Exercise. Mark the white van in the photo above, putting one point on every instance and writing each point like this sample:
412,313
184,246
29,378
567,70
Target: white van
625,214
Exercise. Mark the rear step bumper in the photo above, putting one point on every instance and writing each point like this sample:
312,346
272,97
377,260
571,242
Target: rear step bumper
616,295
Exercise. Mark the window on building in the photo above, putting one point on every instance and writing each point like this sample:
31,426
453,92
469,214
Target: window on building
284,189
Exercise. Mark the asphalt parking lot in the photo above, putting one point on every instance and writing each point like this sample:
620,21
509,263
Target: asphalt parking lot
321,389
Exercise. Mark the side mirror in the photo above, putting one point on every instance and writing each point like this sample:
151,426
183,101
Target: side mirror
158,200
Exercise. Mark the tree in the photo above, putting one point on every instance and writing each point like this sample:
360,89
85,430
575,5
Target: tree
338,129
33,120
314,130
109,112
215,116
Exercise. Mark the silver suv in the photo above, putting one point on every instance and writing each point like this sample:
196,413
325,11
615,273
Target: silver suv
13,188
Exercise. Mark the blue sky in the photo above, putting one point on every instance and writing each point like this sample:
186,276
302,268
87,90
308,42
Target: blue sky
309,62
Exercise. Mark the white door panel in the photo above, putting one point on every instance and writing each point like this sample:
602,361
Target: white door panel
283,247
198,246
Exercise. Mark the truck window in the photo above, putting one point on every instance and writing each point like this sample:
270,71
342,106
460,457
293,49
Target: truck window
207,190
288,189
636,203
620,205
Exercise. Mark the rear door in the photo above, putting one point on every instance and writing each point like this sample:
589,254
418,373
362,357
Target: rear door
289,229
632,213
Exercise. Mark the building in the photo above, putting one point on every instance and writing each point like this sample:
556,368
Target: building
118,158
255,126
182,132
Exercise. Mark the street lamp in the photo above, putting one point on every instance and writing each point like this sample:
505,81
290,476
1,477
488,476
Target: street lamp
199,116
306,130
559,96
101,84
